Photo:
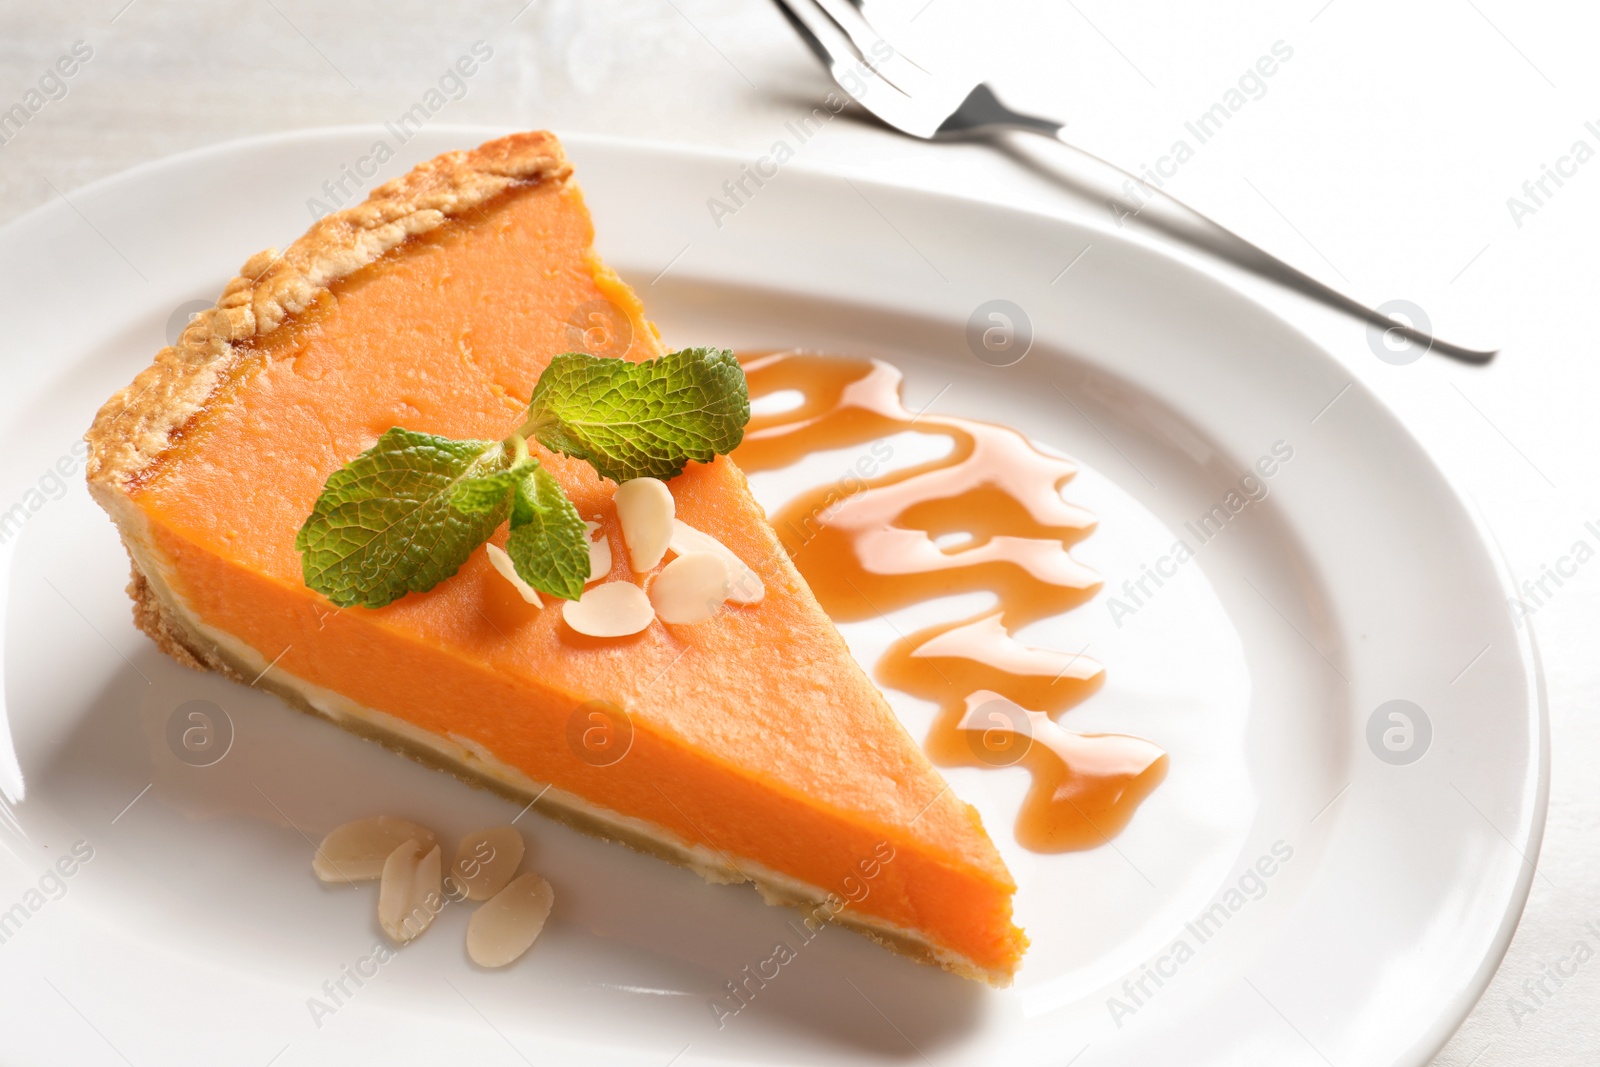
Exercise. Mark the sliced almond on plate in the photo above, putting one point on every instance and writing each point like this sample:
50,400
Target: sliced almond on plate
355,852
744,585
508,923
508,571
409,895
599,553
692,588
486,860
615,609
645,509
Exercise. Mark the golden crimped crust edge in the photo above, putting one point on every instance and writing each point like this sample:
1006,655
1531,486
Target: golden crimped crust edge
159,613
136,425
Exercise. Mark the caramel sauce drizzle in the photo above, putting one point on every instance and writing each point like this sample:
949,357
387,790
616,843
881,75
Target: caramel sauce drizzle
869,544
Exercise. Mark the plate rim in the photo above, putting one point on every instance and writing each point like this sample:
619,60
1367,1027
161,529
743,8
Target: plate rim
1529,840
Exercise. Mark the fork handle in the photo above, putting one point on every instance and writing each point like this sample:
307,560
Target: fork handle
1165,213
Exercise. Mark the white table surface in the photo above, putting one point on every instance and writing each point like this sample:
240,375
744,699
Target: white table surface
1380,156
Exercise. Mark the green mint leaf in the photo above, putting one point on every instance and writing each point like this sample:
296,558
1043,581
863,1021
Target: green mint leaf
549,544
384,525
637,420
405,514
488,492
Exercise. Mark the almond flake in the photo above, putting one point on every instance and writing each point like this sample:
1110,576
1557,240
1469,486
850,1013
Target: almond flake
486,860
691,588
508,923
508,571
599,553
355,852
645,509
409,895
744,585
615,609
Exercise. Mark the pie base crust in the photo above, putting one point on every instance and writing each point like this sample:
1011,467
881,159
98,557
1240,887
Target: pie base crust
191,642
137,425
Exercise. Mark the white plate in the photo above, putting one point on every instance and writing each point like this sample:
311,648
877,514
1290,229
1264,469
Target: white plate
1359,579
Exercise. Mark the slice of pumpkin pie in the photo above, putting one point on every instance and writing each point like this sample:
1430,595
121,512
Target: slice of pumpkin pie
744,742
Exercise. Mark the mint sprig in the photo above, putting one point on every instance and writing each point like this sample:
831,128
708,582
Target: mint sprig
384,525
487,492
407,513
549,543
641,420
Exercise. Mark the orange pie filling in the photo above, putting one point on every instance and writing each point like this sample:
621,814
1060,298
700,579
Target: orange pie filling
749,746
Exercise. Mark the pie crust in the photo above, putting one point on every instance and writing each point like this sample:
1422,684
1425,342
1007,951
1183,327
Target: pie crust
139,423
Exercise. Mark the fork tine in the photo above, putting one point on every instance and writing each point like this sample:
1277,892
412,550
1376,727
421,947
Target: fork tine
799,26
844,40
819,31
876,53
847,15
910,99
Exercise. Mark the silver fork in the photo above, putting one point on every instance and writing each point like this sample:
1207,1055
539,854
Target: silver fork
938,107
